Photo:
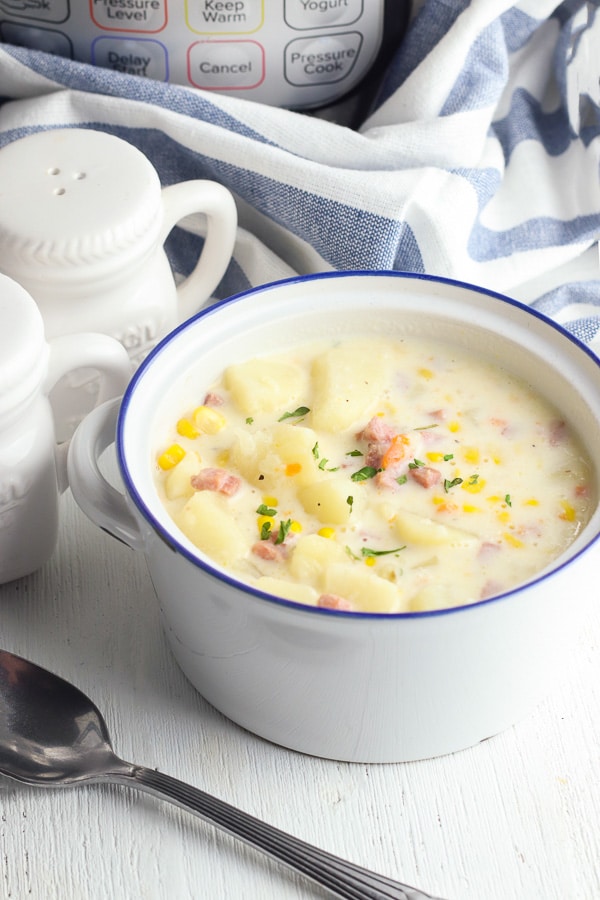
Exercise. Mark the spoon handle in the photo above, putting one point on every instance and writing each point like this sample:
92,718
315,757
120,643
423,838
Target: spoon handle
341,878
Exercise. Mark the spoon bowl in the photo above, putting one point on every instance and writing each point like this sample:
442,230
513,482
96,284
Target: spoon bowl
52,734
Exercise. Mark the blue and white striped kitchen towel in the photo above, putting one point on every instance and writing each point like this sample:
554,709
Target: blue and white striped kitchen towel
480,161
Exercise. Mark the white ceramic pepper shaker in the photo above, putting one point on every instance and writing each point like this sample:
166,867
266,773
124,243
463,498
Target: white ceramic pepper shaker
83,220
32,467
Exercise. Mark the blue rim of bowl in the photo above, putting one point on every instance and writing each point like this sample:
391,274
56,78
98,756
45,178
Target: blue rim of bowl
222,576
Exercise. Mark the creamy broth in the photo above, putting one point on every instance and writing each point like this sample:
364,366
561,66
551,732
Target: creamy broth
375,475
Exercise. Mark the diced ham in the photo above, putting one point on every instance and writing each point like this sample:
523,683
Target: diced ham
386,479
213,399
438,414
490,589
333,601
426,476
375,453
376,431
488,550
269,550
558,433
220,480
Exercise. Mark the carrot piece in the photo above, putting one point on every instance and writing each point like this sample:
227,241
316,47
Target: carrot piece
396,451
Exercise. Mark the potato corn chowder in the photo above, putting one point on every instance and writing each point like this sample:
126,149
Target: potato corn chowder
375,475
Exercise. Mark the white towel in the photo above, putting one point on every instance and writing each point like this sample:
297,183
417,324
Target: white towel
478,162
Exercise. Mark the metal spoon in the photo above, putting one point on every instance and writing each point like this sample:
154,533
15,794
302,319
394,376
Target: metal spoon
51,734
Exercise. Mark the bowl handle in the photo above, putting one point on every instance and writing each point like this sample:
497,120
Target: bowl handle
94,494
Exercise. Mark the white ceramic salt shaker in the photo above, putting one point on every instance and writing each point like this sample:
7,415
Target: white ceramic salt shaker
32,467
83,220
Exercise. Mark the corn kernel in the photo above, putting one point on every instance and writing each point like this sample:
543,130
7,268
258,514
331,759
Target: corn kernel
438,500
454,426
173,455
369,561
295,527
494,498
512,540
326,532
186,429
270,501
473,486
208,420
471,454
293,468
222,458
434,456
469,508
532,502
262,520
568,512
504,516
425,373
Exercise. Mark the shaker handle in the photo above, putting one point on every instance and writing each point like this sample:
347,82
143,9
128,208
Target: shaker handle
96,351
218,205
102,503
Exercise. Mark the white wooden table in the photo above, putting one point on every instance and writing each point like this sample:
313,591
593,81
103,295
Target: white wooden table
515,818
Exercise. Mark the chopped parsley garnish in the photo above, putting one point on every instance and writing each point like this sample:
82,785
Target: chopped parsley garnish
265,531
284,527
315,450
367,551
402,479
426,427
364,474
296,414
354,453
473,479
249,420
264,510
350,501
448,456
450,484
507,500
415,464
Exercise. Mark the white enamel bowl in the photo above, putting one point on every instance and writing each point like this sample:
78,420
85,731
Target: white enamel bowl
343,685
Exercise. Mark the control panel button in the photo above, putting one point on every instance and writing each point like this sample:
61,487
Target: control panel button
226,65
224,16
322,60
41,10
307,14
129,15
135,57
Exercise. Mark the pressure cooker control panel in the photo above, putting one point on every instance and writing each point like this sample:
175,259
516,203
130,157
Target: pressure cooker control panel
293,53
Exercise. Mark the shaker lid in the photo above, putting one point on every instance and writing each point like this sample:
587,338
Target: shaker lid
71,197
23,347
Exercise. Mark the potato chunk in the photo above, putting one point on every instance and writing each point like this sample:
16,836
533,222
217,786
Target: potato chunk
177,482
289,590
439,596
311,557
422,530
346,381
294,445
265,385
327,500
365,590
248,454
207,521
